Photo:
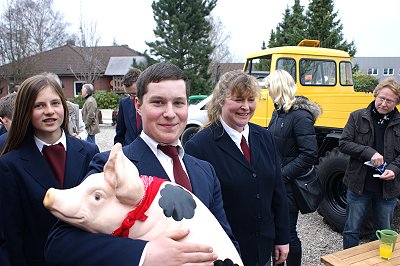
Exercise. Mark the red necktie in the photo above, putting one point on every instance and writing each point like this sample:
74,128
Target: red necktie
55,156
245,148
180,175
138,120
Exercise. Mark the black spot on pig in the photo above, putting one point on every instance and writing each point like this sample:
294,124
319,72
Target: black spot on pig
226,262
177,202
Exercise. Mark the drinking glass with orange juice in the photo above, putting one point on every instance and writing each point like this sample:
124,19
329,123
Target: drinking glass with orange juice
385,250
387,241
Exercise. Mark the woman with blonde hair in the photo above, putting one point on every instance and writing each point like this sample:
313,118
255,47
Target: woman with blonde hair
246,163
292,127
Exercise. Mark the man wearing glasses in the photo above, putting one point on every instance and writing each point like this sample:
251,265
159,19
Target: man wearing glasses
372,139
129,123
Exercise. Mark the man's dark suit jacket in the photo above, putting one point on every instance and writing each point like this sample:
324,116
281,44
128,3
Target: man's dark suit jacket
25,177
2,129
126,130
70,246
254,194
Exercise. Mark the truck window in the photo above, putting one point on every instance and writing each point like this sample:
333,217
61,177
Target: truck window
317,72
288,64
258,67
346,78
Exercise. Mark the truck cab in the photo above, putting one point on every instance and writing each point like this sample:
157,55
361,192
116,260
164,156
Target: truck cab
323,75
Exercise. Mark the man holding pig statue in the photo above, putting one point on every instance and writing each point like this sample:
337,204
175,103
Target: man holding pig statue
162,102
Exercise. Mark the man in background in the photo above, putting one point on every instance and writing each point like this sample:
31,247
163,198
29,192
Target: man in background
90,112
6,111
76,125
129,123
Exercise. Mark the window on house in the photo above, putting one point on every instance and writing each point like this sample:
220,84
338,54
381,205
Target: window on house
78,87
117,85
372,71
388,71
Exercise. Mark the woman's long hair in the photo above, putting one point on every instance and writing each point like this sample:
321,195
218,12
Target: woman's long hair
282,89
21,125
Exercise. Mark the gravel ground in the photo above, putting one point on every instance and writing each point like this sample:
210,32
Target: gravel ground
318,239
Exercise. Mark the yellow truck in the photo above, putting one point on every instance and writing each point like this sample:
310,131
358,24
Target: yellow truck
325,77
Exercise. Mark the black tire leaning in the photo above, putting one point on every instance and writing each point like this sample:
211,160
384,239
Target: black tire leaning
331,169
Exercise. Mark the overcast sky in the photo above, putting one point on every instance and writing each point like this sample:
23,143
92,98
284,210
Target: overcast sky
373,25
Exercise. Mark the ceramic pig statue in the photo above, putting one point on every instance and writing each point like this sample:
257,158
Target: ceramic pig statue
120,202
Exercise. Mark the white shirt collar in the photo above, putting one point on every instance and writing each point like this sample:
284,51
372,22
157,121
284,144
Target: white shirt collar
165,161
153,145
40,143
235,135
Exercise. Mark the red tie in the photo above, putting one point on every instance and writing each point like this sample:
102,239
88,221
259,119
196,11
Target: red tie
138,120
180,175
245,149
55,156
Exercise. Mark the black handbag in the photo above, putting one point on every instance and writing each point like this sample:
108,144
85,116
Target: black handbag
307,191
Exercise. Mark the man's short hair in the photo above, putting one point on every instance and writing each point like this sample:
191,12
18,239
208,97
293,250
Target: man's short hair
89,88
7,104
159,72
131,77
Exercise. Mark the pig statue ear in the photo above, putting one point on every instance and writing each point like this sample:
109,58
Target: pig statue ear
123,176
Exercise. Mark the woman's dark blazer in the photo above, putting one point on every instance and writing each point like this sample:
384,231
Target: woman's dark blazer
25,177
254,195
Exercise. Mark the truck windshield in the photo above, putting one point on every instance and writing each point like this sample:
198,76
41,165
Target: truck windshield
317,72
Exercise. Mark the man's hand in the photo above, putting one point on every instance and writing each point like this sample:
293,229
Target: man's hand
377,159
166,250
281,253
387,175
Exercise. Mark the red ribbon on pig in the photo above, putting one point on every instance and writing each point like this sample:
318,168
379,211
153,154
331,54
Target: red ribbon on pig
151,187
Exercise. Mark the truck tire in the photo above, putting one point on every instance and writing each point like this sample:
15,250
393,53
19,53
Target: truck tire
330,170
188,134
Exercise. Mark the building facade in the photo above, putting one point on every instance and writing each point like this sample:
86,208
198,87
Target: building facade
379,67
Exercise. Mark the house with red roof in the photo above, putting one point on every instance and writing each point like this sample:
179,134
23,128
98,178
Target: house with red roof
76,66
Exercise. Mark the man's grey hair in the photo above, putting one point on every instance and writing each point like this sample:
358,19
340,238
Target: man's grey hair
89,88
7,104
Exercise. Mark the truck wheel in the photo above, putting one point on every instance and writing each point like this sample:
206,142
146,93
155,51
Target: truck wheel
330,170
188,134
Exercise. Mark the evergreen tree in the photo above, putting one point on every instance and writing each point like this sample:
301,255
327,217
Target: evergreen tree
323,25
298,23
319,23
292,29
182,38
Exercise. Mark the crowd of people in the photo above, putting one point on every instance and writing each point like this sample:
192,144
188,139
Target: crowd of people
48,142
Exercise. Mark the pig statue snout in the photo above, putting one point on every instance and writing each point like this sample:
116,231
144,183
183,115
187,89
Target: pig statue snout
48,200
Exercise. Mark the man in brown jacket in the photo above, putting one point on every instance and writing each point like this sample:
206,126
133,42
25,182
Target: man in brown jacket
90,112
371,138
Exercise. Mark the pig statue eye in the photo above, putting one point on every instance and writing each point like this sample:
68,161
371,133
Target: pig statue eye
97,196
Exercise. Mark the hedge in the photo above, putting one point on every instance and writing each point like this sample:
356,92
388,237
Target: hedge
105,100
